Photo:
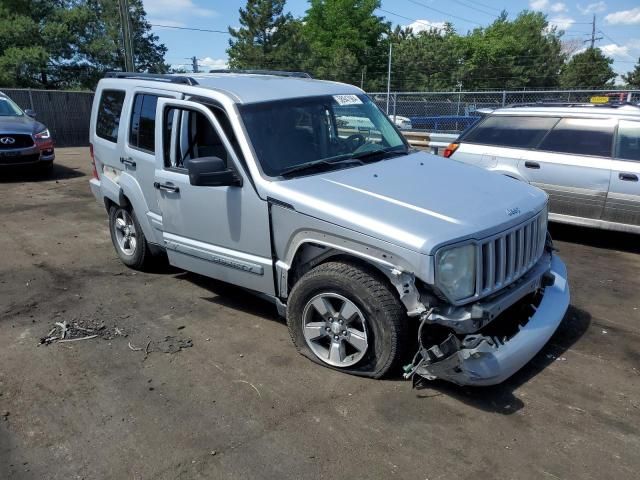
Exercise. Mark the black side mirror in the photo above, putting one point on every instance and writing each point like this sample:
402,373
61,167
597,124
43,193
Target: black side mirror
30,113
211,172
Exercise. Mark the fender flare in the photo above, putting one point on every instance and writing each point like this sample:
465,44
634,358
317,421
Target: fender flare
129,190
401,279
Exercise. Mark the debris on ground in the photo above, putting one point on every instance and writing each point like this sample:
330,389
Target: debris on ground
169,344
81,329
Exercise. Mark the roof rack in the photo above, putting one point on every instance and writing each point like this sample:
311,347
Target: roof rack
279,73
159,77
572,104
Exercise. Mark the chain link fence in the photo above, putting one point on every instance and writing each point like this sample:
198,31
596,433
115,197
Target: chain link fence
453,112
65,113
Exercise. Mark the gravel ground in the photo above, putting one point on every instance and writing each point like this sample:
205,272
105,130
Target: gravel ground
241,403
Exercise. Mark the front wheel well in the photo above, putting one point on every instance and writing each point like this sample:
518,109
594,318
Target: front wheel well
311,255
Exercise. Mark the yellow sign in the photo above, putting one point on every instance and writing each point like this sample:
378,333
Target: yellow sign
599,99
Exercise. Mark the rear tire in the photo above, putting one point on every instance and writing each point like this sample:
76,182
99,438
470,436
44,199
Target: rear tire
128,238
345,316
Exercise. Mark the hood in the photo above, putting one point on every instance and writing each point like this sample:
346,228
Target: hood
22,124
419,201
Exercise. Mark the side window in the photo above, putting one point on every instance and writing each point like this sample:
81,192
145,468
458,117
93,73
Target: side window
142,132
188,134
628,141
581,136
510,131
109,111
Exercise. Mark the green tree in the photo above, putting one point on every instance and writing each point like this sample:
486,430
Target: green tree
70,43
632,78
523,53
589,69
346,40
267,38
424,61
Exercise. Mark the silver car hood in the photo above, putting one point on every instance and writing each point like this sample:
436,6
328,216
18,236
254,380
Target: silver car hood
419,201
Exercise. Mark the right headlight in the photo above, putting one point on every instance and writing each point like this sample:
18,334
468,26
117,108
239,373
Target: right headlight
456,271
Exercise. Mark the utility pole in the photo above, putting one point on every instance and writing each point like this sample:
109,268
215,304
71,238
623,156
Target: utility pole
194,63
127,42
389,75
593,38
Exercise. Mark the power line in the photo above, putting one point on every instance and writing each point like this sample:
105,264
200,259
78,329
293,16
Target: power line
188,28
444,13
460,2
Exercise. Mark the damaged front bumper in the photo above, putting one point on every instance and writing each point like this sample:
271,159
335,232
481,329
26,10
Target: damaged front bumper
477,359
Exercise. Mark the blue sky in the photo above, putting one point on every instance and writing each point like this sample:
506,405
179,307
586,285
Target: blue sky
617,21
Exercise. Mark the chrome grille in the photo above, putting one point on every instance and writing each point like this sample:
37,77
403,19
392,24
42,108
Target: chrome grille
15,140
506,257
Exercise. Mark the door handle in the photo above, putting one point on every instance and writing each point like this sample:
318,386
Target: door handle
534,165
628,177
128,161
167,187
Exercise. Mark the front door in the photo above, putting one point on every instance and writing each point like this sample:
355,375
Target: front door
221,232
623,200
572,164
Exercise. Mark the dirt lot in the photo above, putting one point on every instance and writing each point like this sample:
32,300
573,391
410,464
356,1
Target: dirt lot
241,403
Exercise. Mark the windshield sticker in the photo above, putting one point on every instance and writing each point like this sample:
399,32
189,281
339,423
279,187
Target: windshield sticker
347,100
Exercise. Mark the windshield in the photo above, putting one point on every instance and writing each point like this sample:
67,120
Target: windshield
287,135
8,108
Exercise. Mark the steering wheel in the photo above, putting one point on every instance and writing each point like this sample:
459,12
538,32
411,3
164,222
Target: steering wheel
356,141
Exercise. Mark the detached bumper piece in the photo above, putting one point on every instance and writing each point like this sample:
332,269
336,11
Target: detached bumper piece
484,359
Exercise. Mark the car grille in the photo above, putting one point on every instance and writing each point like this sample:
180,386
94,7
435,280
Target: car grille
506,257
20,141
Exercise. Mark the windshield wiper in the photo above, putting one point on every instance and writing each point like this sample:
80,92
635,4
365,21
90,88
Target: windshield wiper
318,163
375,155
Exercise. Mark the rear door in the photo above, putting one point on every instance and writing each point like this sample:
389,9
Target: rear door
139,147
221,232
572,164
500,141
623,199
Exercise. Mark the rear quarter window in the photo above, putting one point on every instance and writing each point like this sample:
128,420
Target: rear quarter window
581,136
142,132
109,111
510,131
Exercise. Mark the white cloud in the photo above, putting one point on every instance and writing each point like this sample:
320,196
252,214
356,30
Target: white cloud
539,4
168,8
624,17
425,25
615,50
561,22
557,7
597,7
209,63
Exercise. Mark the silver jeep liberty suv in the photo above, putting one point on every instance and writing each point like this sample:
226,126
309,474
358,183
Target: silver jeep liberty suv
371,250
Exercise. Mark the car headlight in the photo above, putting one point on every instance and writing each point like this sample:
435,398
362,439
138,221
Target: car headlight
43,135
456,271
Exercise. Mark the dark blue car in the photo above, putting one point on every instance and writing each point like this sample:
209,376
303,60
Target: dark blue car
23,140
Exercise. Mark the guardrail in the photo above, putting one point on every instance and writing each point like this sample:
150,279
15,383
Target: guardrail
432,141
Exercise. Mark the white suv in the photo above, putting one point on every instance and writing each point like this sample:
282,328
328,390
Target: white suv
587,158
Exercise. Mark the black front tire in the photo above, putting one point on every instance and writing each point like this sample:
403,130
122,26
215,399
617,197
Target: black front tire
386,319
